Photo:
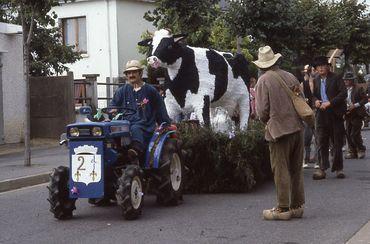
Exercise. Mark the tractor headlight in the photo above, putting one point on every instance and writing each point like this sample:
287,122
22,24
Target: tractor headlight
96,131
74,132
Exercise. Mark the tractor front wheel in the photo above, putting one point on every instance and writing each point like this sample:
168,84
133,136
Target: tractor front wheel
130,196
60,204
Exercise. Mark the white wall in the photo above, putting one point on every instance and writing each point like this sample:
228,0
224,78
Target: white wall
101,57
131,25
14,88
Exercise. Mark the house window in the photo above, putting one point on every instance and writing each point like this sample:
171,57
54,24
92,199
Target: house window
74,33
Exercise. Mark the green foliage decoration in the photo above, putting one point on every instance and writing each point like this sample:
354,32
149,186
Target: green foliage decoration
219,163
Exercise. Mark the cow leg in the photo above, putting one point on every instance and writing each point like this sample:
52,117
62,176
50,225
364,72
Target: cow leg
244,112
175,114
173,108
198,111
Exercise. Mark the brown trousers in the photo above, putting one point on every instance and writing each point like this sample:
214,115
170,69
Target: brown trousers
286,154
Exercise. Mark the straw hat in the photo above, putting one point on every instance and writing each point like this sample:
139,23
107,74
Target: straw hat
266,57
133,65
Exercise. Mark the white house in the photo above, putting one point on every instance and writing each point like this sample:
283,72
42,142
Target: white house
106,32
12,85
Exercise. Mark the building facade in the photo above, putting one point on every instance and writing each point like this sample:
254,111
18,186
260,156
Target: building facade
12,85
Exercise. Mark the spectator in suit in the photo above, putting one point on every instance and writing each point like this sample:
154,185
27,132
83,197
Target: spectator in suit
329,95
356,100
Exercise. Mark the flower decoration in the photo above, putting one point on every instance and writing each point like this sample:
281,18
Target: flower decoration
74,190
144,102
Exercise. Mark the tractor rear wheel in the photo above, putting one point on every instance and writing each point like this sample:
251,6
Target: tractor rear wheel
60,204
171,170
130,196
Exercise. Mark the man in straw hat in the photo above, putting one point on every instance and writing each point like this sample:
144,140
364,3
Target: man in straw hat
356,100
148,104
284,131
329,96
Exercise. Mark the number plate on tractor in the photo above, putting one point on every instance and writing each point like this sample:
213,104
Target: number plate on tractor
87,169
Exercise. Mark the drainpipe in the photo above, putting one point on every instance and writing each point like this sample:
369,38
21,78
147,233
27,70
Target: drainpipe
109,50
1,104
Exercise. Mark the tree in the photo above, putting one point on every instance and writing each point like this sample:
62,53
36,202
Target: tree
31,14
48,55
268,22
355,28
302,29
193,17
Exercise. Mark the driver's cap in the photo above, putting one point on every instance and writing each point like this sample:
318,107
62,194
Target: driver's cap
133,65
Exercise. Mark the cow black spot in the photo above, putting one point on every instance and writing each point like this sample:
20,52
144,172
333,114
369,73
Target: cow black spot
187,79
218,67
239,65
167,50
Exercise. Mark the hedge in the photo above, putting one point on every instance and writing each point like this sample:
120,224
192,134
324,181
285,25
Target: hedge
219,163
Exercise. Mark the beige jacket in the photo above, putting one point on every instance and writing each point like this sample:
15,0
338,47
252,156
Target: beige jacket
274,106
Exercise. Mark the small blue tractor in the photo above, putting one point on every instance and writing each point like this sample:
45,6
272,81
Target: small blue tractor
100,170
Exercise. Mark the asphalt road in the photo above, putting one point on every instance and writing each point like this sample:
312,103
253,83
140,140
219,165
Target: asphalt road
335,210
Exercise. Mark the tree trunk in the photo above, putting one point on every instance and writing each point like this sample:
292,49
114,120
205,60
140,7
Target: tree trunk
26,77
27,127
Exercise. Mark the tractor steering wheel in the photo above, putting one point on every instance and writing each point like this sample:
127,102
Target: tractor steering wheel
120,112
124,111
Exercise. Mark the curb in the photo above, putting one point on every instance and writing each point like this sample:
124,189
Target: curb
362,236
16,183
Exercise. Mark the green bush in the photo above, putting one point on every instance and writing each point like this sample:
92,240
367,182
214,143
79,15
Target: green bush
218,162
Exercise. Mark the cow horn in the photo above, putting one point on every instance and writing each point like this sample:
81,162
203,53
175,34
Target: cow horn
169,30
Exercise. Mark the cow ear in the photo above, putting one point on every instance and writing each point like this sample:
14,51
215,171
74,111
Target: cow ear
179,37
146,42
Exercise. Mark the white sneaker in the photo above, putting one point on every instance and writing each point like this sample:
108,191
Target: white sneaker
305,166
317,166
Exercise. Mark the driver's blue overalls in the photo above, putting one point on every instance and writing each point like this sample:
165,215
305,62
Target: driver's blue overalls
150,110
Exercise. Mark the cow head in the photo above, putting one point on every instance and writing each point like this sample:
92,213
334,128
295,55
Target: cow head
165,48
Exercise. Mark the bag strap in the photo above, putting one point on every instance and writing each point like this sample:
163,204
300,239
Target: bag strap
282,83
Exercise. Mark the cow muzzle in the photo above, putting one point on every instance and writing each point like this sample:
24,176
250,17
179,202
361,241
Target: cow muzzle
154,62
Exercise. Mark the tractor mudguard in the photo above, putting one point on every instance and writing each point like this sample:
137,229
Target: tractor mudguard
154,151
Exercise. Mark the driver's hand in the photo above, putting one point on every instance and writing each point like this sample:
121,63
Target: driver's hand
113,111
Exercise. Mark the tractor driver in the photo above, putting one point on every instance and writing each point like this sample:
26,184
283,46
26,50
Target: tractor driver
149,106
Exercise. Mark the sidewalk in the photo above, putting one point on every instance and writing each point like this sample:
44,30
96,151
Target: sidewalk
45,155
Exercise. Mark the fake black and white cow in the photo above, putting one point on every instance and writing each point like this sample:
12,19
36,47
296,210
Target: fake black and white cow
198,72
